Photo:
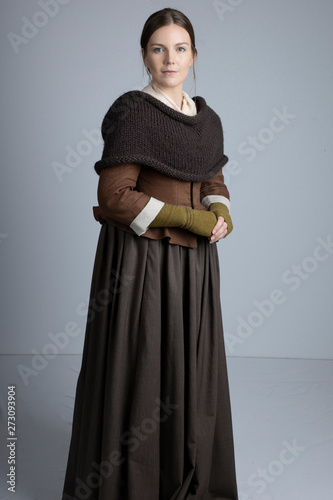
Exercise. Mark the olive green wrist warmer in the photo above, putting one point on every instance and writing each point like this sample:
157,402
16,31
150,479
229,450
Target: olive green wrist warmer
200,222
221,210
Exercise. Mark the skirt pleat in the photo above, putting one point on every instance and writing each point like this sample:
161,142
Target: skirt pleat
152,417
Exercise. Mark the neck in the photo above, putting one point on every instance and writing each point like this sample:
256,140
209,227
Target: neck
176,93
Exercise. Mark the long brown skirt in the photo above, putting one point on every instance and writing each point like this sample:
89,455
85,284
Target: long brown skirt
152,418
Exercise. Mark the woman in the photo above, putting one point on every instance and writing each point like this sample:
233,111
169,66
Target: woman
152,415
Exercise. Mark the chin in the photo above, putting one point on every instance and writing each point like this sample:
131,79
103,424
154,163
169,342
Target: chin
171,82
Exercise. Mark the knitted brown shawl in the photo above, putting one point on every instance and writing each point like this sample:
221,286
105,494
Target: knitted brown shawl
138,128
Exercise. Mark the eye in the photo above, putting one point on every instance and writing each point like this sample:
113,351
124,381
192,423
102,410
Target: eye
157,50
181,49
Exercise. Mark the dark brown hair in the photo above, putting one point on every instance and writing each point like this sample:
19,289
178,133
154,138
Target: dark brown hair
165,17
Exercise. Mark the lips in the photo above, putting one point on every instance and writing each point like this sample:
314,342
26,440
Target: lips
169,72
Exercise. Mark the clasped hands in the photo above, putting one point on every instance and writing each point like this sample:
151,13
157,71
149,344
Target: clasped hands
214,223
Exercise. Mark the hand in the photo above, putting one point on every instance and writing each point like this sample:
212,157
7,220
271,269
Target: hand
220,230
224,225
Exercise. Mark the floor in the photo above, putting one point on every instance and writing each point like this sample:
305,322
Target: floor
282,417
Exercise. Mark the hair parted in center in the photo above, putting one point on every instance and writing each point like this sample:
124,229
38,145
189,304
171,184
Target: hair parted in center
165,17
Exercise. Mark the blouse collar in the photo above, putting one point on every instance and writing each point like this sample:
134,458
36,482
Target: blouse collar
188,105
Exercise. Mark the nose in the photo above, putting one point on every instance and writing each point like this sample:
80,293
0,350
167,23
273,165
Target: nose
168,58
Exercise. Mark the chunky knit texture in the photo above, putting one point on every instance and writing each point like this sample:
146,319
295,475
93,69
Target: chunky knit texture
138,128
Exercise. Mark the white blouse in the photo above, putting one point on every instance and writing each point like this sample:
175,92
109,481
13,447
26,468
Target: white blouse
188,105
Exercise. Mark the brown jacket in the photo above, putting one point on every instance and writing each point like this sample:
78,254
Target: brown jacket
124,190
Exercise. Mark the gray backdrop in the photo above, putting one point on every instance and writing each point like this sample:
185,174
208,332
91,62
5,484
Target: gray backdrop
265,67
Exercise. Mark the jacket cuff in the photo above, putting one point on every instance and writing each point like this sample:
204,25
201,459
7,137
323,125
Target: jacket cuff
215,198
141,222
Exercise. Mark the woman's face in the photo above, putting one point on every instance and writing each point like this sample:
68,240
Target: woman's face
169,57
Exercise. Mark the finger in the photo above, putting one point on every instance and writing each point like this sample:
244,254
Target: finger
222,229
221,233
218,225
